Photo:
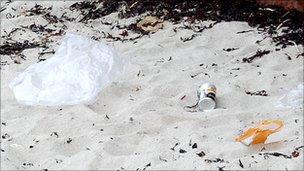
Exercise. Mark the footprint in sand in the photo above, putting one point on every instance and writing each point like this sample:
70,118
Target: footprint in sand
167,90
118,146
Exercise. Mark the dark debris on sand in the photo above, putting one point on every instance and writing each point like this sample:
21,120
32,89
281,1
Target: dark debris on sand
217,160
269,19
13,47
9,48
277,154
258,54
257,93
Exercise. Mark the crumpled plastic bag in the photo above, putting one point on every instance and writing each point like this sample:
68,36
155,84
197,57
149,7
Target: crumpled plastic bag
292,99
261,132
150,24
76,73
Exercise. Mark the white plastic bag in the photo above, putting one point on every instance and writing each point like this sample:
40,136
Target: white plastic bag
76,73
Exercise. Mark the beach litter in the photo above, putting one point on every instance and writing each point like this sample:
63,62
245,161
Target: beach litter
207,97
261,132
150,24
293,98
76,73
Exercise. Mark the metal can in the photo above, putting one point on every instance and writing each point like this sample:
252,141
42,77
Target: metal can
206,96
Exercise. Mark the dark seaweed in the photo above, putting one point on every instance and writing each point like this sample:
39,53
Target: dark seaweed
214,161
55,133
8,35
276,154
258,54
188,38
182,151
5,136
52,18
253,13
39,29
221,168
246,31
49,52
299,147
257,93
69,140
288,56
302,54
201,154
241,164
295,154
38,10
230,49
9,48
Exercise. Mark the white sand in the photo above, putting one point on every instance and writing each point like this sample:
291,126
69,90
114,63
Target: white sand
153,101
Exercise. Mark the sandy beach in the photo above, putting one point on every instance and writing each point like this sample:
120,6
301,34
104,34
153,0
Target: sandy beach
140,121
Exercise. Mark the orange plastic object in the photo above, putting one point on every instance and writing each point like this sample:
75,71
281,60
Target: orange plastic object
259,133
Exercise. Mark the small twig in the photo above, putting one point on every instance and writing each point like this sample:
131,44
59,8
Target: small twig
43,53
188,38
173,148
193,106
301,54
288,56
276,154
133,4
299,147
161,159
13,31
241,164
244,31
206,27
281,24
259,41
295,45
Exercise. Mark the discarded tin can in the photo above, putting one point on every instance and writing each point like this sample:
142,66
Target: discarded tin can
206,96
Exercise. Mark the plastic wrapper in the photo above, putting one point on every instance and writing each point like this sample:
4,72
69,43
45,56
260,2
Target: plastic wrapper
150,24
76,73
261,132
